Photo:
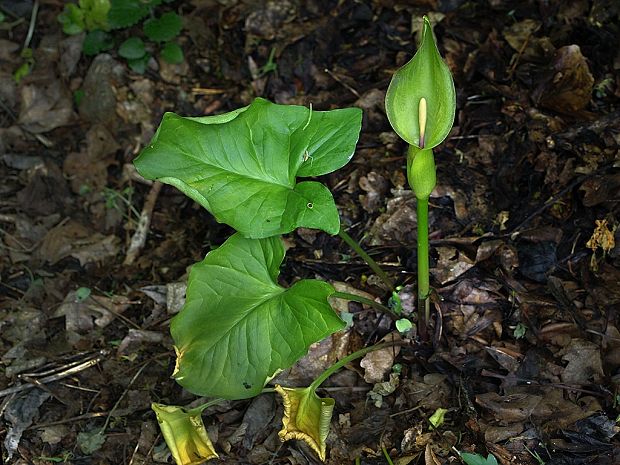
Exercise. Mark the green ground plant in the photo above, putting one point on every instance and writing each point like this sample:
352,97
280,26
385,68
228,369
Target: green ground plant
239,327
420,104
99,17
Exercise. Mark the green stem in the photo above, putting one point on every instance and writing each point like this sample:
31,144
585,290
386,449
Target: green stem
206,405
387,456
362,300
342,362
423,268
367,258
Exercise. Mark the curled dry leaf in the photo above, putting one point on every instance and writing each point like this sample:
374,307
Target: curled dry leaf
83,314
570,87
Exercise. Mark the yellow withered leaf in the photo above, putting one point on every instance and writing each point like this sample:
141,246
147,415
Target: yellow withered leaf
185,434
306,417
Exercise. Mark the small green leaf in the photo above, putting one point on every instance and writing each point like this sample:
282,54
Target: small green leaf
82,294
238,326
424,76
72,19
243,166
185,434
125,13
403,325
477,459
139,65
519,331
306,417
2,17
437,418
96,42
95,14
22,71
172,53
165,28
90,441
132,49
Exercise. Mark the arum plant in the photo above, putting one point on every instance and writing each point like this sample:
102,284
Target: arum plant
420,104
239,327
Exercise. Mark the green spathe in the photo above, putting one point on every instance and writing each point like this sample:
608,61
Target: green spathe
421,172
239,327
424,76
243,166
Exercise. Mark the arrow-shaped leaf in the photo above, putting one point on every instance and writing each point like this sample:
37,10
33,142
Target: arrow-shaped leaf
242,166
239,327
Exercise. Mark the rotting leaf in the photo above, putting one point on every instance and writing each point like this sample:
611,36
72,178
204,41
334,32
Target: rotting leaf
306,417
378,363
20,413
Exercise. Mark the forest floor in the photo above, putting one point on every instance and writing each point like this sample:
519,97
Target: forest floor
525,244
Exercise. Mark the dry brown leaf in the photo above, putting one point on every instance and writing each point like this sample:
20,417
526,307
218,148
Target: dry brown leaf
452,263
45,106
569,90
429,456
81,315
71,239
378,363
584,363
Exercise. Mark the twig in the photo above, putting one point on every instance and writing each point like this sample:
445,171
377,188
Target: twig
344,84
118,402
33,21
49,379
139,238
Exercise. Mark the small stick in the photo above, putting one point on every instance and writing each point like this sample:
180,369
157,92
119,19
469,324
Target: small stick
48,379
342,83
139,238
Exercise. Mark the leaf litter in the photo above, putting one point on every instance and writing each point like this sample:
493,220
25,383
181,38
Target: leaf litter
524,235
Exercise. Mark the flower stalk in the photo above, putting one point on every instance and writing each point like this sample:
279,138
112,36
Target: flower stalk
420,104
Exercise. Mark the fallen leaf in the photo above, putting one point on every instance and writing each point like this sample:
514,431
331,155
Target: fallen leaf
82,314
378,363
569,89
71,239
20,413
584,363
45,106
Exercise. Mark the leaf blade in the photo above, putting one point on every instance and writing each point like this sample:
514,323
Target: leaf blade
242,167
238,326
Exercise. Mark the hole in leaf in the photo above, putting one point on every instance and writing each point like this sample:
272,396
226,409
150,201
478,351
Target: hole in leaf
310,205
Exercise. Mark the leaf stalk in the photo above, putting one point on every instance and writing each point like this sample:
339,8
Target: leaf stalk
367,258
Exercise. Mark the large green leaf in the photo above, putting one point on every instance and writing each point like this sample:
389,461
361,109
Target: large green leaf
242,166
239,327
424,76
